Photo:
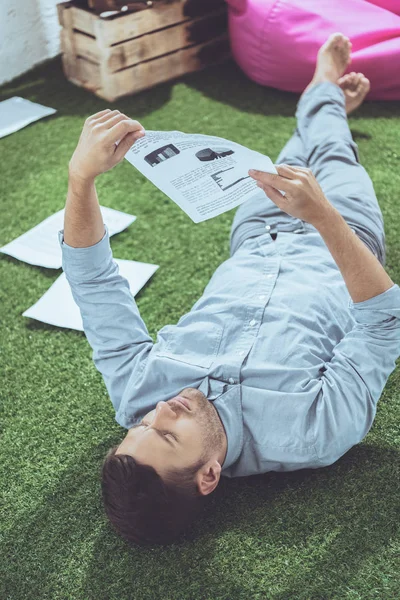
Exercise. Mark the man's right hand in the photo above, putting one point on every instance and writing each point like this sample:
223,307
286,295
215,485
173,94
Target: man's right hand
363,274
105,139
304,198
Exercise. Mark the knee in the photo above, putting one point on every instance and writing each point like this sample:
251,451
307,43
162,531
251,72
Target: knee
335,149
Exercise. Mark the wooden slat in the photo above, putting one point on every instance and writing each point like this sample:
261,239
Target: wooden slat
161,15
127,25
60,10
89,75
100,6
68,45
191,8
86,46
167,40
148,74
152,45
135,24
82,20
85,74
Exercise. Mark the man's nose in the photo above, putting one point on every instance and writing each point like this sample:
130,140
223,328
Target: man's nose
163,411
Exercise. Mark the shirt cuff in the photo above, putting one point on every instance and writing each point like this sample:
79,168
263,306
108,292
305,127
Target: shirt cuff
379,308
85,263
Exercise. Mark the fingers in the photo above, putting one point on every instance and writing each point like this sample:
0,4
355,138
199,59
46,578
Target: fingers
114,120
107,117
276,181
122,128
98,115
286,171
293,169
272,194
126,143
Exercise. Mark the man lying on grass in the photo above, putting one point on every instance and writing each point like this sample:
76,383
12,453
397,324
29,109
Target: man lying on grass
280,364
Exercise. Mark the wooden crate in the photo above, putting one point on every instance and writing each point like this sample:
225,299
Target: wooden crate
132,51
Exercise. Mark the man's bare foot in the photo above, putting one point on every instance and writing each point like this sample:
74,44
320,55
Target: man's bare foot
333,59
355,87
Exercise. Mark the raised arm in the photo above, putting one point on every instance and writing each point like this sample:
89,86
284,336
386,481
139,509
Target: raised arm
111,320
97,151
304,199
363,360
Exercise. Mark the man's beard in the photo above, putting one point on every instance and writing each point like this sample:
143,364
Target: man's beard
211,428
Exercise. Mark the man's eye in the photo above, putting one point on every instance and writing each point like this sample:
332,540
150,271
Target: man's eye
171,434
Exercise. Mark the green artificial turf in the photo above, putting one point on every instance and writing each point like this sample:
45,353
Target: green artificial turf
313,534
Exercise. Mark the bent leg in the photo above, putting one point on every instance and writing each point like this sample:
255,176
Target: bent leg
332,155
294,152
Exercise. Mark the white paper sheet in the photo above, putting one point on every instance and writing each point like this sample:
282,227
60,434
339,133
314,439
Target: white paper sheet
57,306
205,175
16,113
39,246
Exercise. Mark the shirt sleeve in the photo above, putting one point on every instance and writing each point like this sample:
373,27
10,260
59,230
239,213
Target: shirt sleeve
111,320
356,375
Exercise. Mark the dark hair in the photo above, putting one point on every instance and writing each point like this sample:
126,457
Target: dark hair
143,507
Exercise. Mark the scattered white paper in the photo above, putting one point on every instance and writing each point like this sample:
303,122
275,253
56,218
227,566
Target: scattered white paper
205,175
16,113
57,306
40,246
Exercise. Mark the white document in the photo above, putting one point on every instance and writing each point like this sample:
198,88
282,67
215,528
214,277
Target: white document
16,113
205,175
40,246
57,306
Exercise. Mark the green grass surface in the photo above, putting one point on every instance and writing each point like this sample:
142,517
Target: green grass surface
314,534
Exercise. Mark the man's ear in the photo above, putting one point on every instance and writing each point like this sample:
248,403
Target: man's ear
208,477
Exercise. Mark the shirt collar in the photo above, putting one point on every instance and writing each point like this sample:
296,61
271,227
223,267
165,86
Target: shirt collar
229,407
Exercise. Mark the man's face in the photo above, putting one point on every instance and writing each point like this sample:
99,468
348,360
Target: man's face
173,436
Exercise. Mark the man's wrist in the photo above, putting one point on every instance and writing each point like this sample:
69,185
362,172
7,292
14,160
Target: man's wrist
78,174
77,179
325,218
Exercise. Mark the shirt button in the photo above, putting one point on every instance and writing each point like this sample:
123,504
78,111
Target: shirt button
253,322
267,227
261,297
269,276
241,353
231,380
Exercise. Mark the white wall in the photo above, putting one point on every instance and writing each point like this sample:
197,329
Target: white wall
29,34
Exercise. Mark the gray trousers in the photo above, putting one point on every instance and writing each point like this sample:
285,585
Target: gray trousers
323,143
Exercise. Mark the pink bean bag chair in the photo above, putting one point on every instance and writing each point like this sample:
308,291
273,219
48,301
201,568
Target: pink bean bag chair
276,42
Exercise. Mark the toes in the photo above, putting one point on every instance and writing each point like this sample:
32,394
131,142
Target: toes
344,80
336,40
344,45
365,84
353,81
362,85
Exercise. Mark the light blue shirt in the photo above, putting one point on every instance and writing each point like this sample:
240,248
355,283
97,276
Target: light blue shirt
294,368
